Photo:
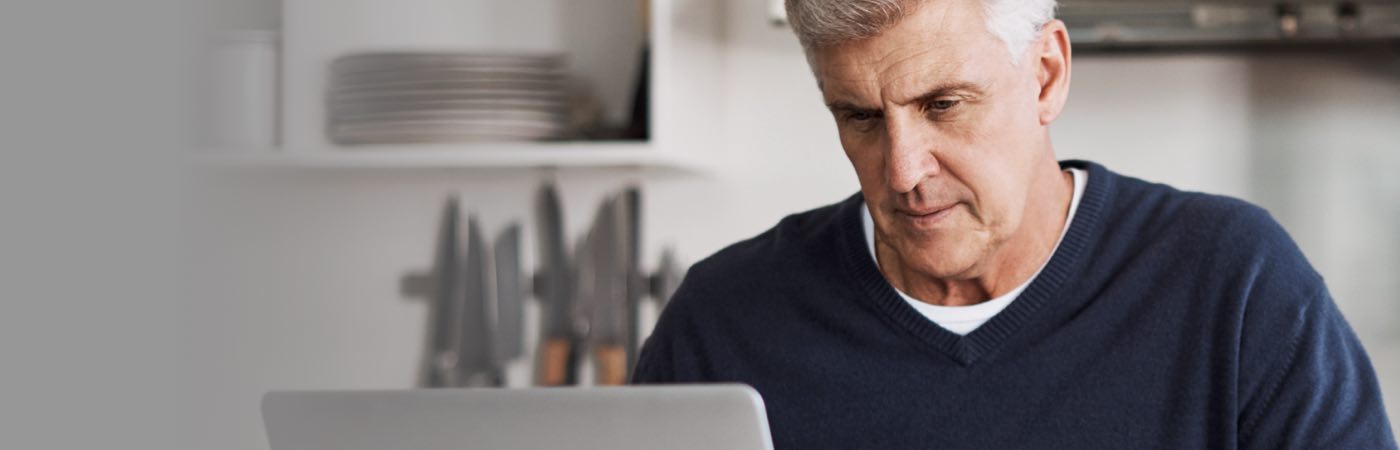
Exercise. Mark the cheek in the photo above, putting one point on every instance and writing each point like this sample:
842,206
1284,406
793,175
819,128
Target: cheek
1008,211
994,185
1001,179
1010,142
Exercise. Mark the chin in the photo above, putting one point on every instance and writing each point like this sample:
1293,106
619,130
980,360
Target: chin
943,270
945,258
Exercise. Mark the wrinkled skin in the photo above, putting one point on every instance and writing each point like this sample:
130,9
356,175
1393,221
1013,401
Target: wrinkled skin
950,142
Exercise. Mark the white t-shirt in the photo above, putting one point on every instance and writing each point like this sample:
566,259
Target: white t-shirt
963,319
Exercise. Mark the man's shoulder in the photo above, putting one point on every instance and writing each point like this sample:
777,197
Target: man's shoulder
1219,233
1159,210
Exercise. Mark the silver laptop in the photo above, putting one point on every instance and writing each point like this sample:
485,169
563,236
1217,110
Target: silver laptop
604,418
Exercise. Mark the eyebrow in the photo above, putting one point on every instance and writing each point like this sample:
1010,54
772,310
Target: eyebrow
930,95
844,106
939,91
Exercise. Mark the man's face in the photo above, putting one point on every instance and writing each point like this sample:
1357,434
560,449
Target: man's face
943,131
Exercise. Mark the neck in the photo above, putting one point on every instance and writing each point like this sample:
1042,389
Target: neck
1011,264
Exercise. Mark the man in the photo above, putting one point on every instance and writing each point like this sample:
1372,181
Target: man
979,294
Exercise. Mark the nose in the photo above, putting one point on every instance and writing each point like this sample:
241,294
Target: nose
910,158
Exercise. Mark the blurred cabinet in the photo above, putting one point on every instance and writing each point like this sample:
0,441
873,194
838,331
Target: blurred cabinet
602,39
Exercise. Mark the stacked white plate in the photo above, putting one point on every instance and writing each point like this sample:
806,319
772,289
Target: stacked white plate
417,97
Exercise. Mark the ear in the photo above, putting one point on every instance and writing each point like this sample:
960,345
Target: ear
1052,66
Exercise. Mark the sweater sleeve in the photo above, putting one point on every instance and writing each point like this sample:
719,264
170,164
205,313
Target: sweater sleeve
651,367
668,355
1321,391
1306,381
1303,380
1323,394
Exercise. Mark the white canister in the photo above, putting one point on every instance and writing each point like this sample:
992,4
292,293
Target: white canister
244,90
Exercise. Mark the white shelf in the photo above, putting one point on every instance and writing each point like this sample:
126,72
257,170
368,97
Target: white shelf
532,155
684,70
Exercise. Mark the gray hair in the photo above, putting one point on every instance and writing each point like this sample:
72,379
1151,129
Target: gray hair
821,23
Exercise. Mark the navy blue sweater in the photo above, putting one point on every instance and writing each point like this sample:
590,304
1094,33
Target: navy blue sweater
1165,319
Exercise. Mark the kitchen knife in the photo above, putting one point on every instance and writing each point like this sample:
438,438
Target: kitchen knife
585,290
510,300
440,358
553,287
608,299
628,228
475,340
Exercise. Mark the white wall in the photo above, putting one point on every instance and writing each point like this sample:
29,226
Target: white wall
296,272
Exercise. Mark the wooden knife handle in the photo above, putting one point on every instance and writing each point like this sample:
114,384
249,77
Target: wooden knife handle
611,365
554,362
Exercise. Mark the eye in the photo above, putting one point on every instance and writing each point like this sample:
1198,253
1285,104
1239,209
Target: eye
861,121
943,104
859,116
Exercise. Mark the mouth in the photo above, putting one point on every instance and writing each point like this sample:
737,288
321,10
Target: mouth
926,217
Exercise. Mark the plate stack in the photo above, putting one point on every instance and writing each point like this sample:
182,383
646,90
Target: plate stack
418,97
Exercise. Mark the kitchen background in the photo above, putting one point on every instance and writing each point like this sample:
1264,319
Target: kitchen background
296,250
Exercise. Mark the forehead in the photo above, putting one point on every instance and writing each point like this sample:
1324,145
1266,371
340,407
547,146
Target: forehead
941,41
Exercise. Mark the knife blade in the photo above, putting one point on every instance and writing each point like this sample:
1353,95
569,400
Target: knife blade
553,287
629,228
475,340
585,291
440,358
510,315
607,335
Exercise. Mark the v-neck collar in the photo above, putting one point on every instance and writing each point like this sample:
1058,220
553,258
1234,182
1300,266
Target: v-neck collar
1068,259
